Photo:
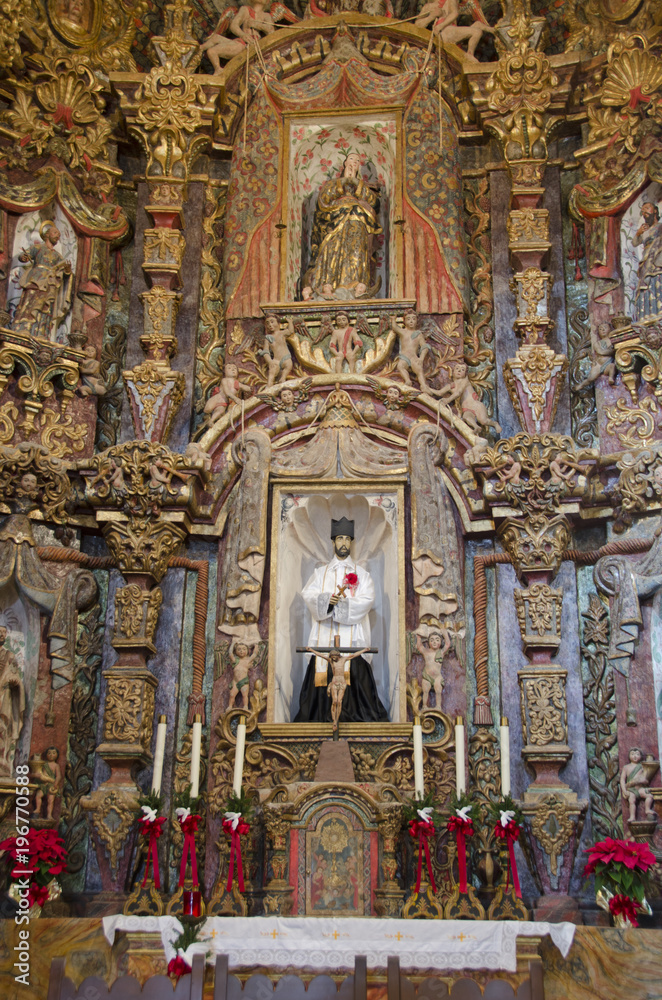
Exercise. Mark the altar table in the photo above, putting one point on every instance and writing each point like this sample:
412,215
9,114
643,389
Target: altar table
331,944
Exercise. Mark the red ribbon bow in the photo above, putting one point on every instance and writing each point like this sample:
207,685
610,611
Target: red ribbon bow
152,828
189,827
38,894
622,905
510,833
352,581
463,828
235,835
423,831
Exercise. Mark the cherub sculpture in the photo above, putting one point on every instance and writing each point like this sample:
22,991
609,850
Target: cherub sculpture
227,392
345,343
635,784
444,14
244,661
91,382
395,399
413,349
277,353
439,642
603,357
247,23
473,411
286,401
47,775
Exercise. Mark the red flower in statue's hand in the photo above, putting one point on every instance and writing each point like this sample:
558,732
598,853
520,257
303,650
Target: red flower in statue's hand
351,579
623,906
178,967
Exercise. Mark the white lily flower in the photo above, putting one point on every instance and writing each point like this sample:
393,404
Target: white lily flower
506,816
425,814
463,813
182,814
234,817
150,814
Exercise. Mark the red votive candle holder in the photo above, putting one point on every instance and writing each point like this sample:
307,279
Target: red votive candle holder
192,903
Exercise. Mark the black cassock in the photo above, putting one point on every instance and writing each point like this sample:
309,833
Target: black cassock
360,702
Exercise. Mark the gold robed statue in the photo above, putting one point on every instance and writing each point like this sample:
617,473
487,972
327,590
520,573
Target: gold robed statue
344,225
46,285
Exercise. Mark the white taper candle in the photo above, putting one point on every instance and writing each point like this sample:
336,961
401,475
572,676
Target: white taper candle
460,776
505,757
239,759
196,741
159,752
419,786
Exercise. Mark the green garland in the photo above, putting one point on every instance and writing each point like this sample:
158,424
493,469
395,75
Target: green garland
411,807
503,805
184,800
240,804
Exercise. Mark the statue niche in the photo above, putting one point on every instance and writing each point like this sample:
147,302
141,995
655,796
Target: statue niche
341,264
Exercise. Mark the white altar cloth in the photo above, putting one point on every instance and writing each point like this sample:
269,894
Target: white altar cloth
331,944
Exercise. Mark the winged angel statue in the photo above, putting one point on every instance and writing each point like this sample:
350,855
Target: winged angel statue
247,22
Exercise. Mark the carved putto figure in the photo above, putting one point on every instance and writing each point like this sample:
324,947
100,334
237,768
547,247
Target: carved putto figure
12,704
242,664
345,343
439,642
247,23
47,286
635,785
228,392
444,14
474,412
91,382
277,353
413,349
603,356
47,775
344,225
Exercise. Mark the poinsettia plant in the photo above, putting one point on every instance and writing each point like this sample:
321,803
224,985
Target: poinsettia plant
41,856
178,966
620,868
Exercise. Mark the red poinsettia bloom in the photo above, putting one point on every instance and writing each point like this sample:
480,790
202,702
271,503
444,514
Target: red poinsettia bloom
177,967
622,905
37,894
45,850
620,852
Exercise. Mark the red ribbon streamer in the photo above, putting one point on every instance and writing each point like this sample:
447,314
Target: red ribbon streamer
463,828
189,827
152,829
510,833
423,831
235,851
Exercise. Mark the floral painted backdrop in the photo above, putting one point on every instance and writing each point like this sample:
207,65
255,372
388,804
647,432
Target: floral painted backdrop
317,153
